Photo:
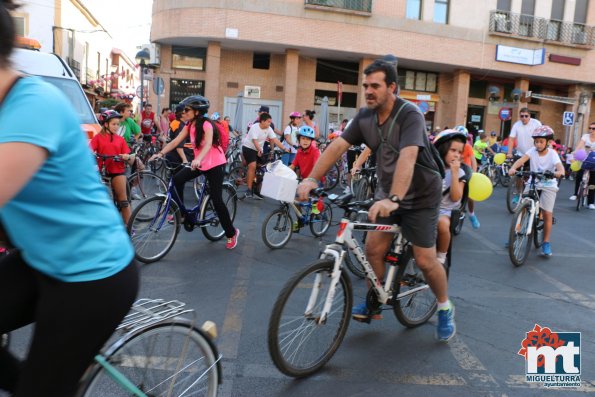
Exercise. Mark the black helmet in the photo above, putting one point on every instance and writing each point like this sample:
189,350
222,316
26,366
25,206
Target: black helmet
108,115
179,108
197,102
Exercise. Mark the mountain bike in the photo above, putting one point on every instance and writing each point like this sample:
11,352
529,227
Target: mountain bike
488,168
155,223
583,190
156,353
502,176
279,225
311,314
527,221
363,183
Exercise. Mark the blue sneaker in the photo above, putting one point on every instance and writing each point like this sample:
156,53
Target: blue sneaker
546,249
474,221
363,314
446,328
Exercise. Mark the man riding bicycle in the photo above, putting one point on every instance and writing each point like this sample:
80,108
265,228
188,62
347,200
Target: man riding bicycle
409,189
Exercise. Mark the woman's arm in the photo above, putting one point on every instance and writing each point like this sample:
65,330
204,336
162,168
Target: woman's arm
19,161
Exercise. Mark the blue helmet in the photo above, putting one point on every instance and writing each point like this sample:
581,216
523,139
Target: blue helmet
306,131
215,116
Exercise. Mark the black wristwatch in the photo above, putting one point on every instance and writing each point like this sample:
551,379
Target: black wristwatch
394,198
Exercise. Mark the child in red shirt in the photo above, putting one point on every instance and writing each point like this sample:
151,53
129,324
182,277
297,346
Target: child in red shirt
307,154
109,143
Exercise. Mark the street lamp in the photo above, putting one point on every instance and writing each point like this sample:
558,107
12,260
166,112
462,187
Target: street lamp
141,58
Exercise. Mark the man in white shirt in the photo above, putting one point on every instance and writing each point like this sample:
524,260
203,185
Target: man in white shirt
522,133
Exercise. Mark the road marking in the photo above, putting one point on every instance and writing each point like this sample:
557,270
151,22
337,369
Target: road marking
572,294
477,374
232,322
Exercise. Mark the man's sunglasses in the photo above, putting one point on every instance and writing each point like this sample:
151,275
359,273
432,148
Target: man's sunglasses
525,116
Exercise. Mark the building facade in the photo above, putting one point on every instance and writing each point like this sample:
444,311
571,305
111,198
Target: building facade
461,61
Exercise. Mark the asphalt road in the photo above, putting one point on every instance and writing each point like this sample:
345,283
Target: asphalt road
496,304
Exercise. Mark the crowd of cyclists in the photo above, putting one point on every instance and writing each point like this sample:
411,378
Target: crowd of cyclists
420,180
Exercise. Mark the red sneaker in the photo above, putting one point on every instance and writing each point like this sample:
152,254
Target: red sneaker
233,241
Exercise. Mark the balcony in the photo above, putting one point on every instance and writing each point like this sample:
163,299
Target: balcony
360,7
541,29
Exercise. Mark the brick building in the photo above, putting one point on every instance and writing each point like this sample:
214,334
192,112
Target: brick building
461,60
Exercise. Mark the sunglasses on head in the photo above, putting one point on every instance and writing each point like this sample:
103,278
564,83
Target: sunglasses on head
525,116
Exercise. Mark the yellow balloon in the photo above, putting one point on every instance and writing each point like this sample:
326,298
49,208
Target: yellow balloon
499,158
480,187
576,165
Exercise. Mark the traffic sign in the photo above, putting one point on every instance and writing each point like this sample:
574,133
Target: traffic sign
423,106
158,85
505,114
138,93
568,118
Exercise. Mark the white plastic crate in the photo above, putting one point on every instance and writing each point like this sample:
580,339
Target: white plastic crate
279,187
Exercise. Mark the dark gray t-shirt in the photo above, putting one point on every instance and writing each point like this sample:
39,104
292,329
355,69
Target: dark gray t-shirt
426,185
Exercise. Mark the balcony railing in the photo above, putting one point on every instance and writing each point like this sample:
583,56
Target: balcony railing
520,25
364,6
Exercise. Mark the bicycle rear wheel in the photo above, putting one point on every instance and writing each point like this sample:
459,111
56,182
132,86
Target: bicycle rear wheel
163,360
519,237
153,228
145,184
277,228
580,196
419,303
214,231
513,194
237,176
299,344
319,223
331,179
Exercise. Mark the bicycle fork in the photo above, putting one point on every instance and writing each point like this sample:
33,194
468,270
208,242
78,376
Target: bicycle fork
531,218
335,276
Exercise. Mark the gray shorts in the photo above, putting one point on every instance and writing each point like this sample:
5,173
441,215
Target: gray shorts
420,227
547,197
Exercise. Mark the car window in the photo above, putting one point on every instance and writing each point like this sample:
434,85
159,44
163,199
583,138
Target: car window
72,90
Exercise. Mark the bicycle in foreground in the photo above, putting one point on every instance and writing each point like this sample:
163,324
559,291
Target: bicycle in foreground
157,353
583,190
311,314
527,222
155,223
279,225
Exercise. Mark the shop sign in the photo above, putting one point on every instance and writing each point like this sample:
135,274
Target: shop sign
521,56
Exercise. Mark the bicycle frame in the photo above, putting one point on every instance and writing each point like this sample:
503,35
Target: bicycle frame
336,251
532,197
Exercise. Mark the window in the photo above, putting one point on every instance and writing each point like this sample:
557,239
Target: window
526,22
478,89
331,71
261,60
188,58
441,11
348,99
20,24
418,81
503,5
182,88
553,25
413,9
558,10
580,11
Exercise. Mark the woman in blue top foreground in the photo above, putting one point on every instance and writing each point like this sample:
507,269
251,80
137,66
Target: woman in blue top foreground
72,273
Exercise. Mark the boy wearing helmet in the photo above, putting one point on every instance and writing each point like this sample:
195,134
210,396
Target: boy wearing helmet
109,143
542,158
307,154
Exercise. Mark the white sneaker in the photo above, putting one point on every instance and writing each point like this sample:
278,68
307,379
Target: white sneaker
573,197
592,206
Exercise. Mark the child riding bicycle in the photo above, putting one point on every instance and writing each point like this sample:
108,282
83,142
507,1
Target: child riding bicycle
542,158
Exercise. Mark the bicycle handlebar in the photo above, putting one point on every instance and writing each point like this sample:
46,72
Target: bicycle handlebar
546,174
104,157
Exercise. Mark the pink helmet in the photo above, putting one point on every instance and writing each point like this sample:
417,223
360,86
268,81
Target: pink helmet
543,132
295,115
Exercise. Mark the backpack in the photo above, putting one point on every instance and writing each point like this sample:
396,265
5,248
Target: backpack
589,162
223,136
439,164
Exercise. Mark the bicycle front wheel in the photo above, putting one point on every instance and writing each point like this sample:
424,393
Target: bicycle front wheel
277,228
213,230
163,360
300,342
153,228
513,194
538,232
519,237
319,223
415,302
580,196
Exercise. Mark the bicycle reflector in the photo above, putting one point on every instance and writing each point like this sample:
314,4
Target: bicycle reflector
320,204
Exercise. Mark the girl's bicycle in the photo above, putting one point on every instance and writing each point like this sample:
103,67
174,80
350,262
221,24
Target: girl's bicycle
527,220
155,223
311,314
583,190
279,225
156,353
